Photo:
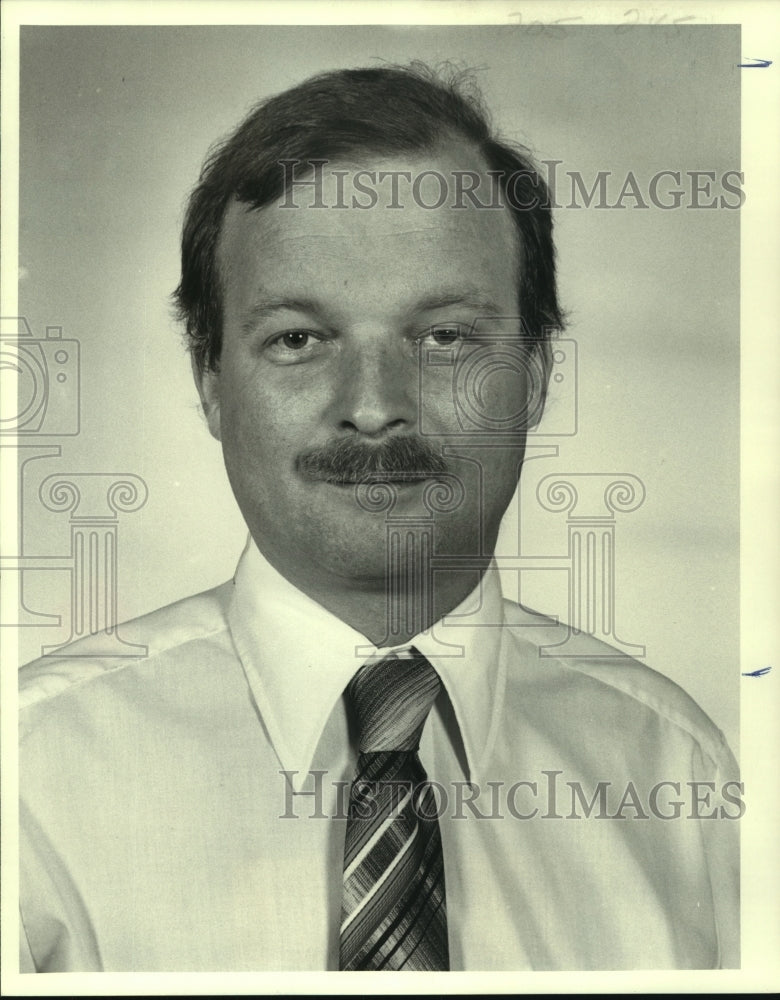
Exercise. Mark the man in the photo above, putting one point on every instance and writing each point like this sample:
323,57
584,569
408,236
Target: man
356,754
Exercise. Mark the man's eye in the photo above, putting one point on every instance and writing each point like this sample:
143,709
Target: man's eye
294,340
447,334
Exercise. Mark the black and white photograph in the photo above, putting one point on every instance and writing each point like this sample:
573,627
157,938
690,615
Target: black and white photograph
389,437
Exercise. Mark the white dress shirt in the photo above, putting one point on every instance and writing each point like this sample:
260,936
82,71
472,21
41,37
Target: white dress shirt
185,810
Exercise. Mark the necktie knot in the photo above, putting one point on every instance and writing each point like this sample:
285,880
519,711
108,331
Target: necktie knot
391,699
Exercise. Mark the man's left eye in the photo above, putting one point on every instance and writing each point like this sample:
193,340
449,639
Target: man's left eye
447,334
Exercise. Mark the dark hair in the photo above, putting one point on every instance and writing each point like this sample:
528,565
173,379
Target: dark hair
383,110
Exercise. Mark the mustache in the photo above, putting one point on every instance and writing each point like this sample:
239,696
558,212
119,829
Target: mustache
400,459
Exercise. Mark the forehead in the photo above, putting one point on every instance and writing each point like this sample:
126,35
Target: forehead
400,224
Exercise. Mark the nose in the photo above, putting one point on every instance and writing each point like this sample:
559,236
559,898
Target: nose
376,394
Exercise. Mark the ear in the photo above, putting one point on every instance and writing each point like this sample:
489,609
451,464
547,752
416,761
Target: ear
542,362
208,386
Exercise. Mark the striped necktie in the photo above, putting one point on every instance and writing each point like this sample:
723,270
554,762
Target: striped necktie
393,903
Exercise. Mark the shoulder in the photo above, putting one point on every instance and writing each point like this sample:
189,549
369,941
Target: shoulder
616,691
143,644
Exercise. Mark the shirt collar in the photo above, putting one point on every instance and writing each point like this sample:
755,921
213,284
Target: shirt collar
298,659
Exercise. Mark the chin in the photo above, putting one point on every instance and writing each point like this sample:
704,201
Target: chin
368,569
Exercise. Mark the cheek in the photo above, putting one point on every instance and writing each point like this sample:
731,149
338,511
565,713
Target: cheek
264,429
247,425
502,396
488,392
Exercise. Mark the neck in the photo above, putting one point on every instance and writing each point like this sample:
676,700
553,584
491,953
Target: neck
394,609
396,612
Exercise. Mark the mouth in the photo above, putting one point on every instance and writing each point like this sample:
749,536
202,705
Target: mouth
373,478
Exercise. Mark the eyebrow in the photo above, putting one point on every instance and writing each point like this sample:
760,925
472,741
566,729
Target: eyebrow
265,307
470,298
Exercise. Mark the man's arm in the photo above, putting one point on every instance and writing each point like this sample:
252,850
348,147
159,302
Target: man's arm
720,837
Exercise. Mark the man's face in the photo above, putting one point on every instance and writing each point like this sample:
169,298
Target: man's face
330,315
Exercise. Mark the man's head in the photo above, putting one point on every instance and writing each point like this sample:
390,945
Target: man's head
328,324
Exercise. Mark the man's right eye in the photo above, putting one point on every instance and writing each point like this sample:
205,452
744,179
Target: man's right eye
295,340
293,346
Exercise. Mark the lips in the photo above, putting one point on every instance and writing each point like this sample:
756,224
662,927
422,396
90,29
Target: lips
370,478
